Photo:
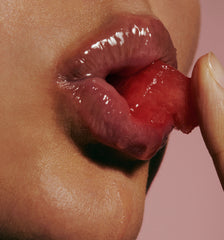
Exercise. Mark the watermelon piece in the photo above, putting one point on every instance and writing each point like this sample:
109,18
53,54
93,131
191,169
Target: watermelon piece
160,96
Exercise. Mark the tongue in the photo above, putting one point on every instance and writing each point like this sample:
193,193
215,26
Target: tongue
159,96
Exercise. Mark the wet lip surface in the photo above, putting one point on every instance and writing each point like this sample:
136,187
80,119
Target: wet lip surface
122,46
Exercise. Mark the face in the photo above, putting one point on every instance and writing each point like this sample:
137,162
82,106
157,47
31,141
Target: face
51,187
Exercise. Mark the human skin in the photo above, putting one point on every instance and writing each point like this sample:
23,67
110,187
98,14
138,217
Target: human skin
48,188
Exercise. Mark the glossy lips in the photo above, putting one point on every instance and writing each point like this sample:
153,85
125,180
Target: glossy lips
129,44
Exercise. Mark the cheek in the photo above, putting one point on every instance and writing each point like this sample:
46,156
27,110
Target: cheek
182,19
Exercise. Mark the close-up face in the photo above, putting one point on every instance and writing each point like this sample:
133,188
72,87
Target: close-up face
68,171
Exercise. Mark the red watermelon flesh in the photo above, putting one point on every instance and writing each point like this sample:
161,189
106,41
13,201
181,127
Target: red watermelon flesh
160,96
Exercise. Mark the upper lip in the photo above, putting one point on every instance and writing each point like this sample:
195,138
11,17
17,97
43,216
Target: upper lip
126,41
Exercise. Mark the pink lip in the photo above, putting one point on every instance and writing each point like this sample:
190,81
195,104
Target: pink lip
123,46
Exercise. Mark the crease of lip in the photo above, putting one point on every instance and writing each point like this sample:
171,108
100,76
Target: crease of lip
81,76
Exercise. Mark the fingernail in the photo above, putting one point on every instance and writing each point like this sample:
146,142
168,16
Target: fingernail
216,68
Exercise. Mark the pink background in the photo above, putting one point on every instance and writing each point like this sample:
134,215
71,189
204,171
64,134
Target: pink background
186,201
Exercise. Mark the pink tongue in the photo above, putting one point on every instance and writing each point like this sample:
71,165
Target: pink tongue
160,96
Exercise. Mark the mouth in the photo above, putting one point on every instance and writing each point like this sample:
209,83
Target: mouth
121,48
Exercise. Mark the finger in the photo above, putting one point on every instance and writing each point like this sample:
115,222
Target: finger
208,90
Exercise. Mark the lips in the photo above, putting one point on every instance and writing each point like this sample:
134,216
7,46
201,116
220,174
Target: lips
121,47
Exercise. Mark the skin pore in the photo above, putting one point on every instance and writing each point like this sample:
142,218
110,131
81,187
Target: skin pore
48,188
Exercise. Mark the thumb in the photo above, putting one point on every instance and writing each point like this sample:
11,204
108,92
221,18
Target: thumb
208,92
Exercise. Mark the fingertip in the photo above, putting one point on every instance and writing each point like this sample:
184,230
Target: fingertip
208,95
208,72
200,82
200,70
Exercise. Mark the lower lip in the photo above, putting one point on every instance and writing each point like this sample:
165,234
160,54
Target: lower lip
99,107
